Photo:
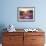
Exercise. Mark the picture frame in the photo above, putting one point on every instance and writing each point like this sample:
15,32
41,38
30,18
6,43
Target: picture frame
26,14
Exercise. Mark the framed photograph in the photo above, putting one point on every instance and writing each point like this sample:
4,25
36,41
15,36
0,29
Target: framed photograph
26,14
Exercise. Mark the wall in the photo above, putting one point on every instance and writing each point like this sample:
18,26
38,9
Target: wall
8,13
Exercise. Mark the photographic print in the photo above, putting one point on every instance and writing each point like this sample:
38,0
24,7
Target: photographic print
26,14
